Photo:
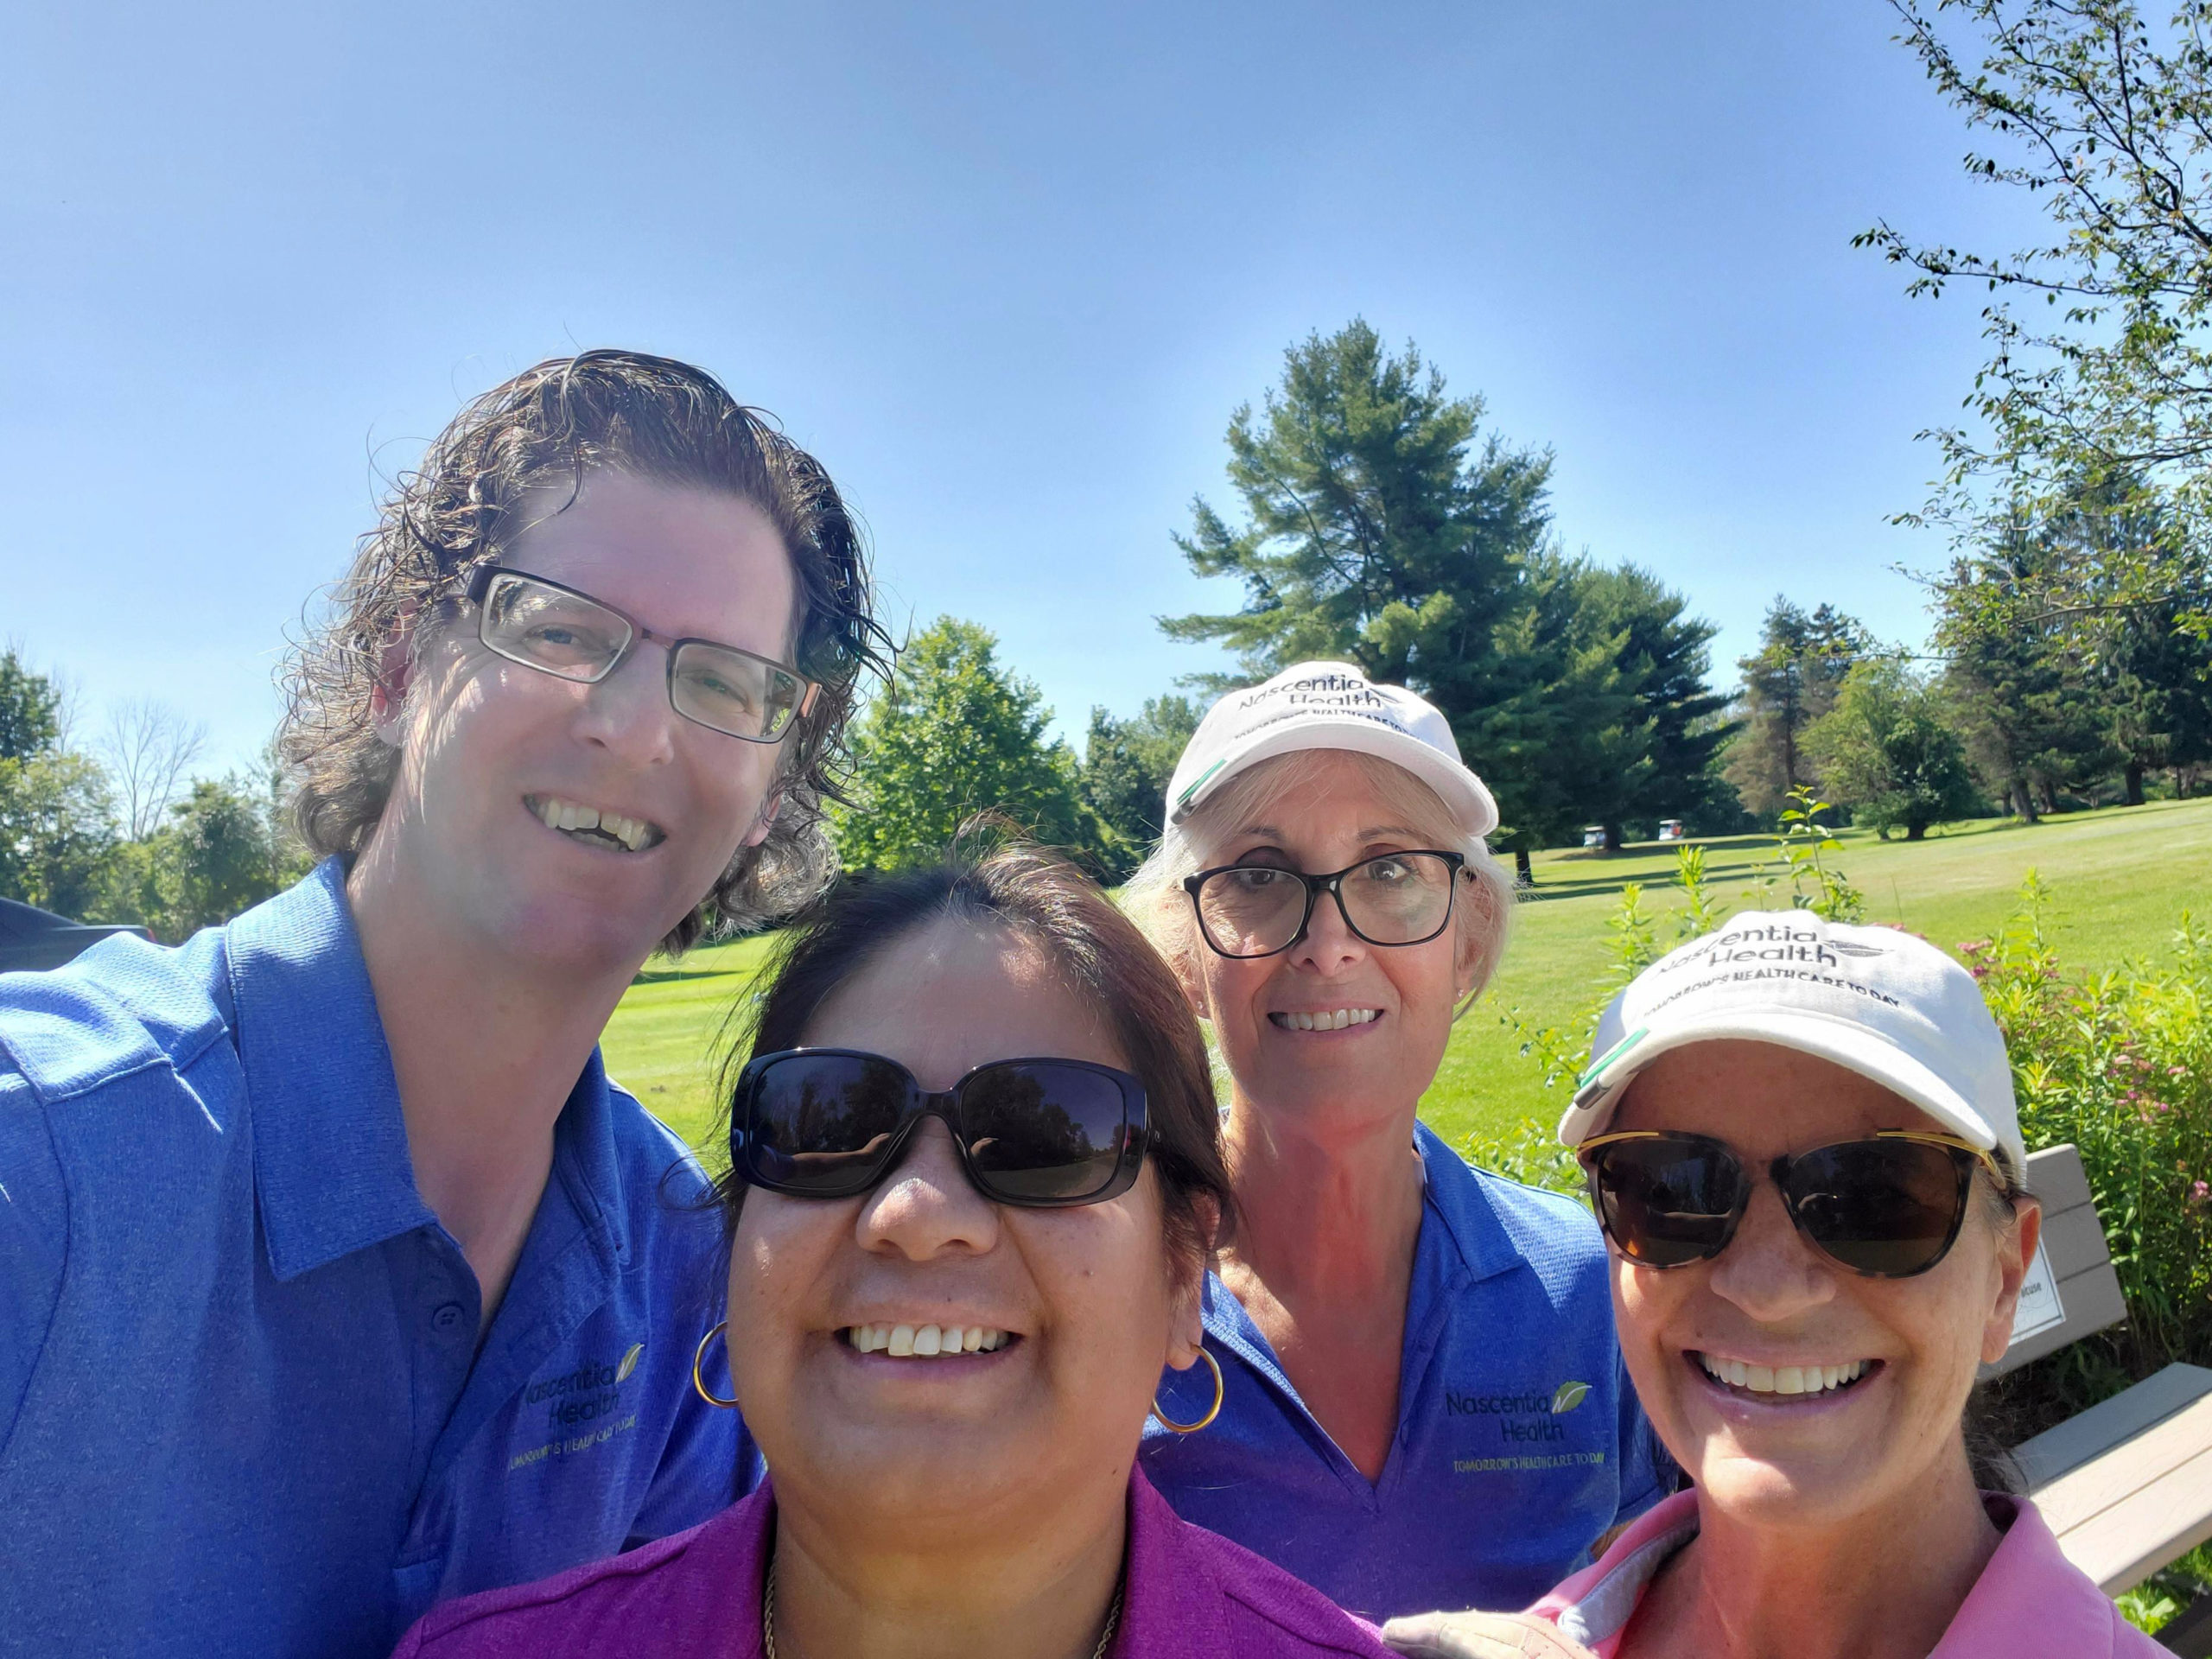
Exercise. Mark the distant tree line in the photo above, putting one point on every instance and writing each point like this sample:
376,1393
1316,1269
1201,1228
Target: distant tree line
114,830
1380,524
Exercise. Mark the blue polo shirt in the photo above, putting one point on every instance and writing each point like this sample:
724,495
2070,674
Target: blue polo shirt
243,1407
1519,1438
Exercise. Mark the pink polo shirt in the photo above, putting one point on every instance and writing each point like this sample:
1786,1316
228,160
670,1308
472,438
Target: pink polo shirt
696,1595
2030,1602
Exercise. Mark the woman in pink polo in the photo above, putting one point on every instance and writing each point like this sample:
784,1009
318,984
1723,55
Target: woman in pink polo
975,1177
1802,1143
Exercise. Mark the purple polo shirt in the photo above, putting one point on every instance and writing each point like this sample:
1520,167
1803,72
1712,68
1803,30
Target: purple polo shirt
696,1595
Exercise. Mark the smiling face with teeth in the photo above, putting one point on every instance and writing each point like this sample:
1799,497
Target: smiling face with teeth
579,823
1333,1026
1793,1391
920,1356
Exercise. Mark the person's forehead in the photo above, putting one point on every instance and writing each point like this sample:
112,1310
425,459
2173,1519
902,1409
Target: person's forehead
681,560
1754,1095
1314,795
954,994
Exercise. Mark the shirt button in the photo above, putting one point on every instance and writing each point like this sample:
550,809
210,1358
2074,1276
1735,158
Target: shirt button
447,1319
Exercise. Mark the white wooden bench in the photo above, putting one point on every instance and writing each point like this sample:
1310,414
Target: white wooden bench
2127,1486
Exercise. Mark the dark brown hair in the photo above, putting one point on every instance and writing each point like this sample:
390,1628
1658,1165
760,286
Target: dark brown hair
650,416
1099,954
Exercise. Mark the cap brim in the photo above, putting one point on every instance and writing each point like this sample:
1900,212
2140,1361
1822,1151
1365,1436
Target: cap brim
1463,793
1846,1043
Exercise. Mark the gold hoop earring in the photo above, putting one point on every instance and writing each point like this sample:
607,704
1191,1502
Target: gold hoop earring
698,1359
1220,1394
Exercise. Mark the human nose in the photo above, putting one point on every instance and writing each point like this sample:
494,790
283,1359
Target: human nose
1769,1270
928,1206
628,712
1329,944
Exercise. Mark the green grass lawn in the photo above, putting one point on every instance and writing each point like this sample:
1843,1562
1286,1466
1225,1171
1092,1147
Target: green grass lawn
2120,877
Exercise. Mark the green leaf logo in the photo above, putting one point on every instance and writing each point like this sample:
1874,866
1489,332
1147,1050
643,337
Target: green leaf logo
630,1363
1570,1395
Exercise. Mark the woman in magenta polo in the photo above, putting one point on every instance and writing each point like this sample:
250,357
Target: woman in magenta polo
1802,1142
976,1176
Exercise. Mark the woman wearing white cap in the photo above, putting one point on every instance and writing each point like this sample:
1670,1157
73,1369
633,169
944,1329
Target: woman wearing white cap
1421,1403
1802,1141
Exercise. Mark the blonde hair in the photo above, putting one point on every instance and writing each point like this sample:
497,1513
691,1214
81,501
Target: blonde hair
1155,895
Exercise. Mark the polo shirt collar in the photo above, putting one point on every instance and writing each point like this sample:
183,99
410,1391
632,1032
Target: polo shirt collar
1468,1222
1461,1241
330,1161
586,1164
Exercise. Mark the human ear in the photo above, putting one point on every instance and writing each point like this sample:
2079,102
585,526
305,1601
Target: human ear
1183,960
764,822
2016,1248
1467,945
1186,1307
395,671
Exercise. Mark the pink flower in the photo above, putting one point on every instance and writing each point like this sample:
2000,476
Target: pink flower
2198,1192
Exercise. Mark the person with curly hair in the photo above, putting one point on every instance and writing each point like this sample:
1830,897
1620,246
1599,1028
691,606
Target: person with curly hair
336,1278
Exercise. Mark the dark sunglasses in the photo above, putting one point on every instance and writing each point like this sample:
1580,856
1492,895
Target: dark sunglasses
1042,1134
1886,1207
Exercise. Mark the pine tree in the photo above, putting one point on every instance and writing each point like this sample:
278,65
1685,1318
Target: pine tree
1788,682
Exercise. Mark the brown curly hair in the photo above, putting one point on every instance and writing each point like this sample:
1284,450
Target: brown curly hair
650,416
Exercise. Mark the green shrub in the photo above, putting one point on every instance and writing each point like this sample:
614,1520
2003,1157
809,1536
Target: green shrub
2120,1065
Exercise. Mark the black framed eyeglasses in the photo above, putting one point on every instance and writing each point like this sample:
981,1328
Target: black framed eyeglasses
1041,1133
1888,1206
1259,910
572,636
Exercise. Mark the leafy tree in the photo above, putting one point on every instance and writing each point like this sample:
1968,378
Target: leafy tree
1887,753
56,815
1382,527
1788,682
954,734
57,830
1126,767
2023,693
30,709
2101,118
215,856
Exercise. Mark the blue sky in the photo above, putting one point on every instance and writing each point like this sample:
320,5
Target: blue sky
1006,269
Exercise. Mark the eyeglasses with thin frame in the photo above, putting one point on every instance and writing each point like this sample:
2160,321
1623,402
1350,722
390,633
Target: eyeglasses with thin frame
1885,1206
1248,911
558,631
1038,1133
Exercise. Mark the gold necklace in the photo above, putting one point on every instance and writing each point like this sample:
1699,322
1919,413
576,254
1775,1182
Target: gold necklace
769,1618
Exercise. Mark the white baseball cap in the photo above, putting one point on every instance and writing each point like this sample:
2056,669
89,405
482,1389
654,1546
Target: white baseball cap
1328,705
1880,1002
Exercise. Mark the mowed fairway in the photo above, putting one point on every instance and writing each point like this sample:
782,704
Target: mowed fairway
2120,880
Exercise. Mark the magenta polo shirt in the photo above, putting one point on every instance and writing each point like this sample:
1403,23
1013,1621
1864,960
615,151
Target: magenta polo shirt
696,1595
2030,1602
